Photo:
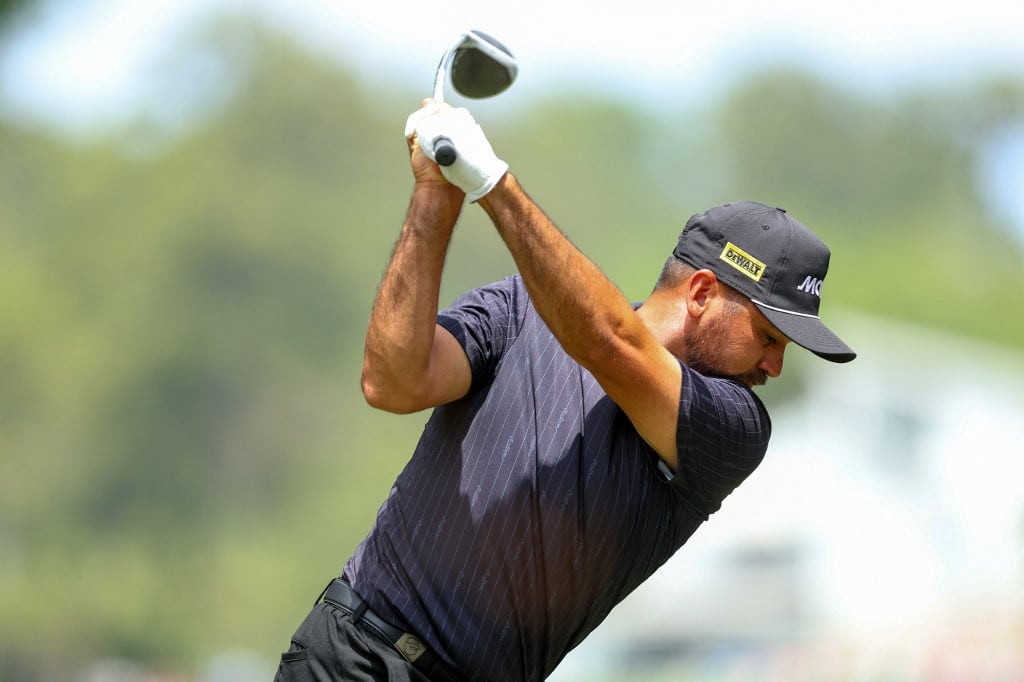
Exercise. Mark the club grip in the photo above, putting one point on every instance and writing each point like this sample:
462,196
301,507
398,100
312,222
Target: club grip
444,151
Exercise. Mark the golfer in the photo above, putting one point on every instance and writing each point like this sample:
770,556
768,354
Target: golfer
576,440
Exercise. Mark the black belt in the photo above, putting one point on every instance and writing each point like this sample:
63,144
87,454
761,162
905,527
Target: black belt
341,594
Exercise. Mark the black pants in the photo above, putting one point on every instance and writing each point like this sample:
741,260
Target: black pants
329,647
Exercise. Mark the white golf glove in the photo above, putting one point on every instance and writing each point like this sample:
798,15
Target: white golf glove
476,169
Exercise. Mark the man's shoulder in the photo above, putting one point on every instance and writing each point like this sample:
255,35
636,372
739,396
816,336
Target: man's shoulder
729,393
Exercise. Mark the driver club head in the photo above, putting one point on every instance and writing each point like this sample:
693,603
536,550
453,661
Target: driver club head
481,66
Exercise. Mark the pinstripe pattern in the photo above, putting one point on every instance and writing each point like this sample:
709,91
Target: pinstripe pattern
531,507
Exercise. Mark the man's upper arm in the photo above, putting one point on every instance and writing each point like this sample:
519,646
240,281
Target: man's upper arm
710,422
469,339
449,376
645,381
724,430
483,323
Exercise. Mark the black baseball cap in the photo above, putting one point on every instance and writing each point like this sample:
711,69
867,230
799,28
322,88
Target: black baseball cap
772,259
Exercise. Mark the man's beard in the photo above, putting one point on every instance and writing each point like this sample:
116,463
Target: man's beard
704,352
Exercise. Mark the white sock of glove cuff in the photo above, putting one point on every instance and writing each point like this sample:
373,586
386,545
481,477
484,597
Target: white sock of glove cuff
476,169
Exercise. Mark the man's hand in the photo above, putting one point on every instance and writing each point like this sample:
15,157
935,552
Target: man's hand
424,170
476,169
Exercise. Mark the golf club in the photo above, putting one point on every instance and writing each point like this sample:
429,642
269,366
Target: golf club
480,67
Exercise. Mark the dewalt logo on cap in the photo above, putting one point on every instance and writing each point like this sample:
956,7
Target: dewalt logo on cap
743,261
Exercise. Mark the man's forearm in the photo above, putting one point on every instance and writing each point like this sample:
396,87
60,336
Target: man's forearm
576,300
401,329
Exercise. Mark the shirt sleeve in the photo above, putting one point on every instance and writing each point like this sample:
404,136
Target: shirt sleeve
486,321
722,436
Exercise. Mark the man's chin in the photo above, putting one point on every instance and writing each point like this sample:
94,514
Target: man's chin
751,379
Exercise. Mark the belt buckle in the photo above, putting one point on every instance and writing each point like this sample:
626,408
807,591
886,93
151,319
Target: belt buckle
410,647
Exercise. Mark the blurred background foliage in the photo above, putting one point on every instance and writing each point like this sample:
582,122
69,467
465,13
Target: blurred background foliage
186,455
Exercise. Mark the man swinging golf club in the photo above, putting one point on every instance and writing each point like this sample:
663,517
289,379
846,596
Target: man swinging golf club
576,440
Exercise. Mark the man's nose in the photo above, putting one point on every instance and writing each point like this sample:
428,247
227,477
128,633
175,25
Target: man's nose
771,363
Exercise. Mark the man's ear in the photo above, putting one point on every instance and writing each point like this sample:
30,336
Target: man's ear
701,287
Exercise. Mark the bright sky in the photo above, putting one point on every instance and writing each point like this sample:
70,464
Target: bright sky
85,60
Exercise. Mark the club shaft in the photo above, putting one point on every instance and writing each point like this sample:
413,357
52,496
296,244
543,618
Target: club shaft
442,72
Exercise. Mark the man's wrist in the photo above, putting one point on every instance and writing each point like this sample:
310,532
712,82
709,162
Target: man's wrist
435,206
498,192
438,190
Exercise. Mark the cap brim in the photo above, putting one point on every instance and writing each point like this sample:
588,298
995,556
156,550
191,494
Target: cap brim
809,332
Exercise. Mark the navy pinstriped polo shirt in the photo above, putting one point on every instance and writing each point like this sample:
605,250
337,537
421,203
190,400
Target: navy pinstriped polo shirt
532,506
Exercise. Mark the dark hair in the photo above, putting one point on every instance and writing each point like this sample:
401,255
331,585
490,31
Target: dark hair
676,271
673,272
